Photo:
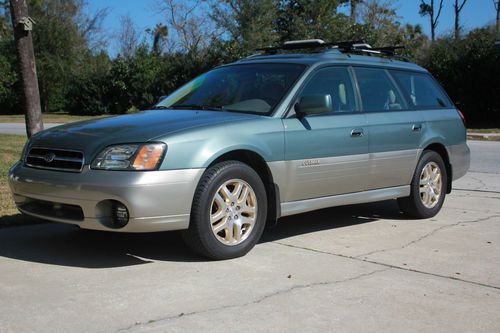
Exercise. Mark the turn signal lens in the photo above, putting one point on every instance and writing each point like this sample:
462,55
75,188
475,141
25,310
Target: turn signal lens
148,157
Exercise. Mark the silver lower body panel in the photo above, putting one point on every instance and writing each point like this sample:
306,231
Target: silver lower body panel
302,206
156,200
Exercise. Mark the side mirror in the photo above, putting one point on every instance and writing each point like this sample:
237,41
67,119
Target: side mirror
313,104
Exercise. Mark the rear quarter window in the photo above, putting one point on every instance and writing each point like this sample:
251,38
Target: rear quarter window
421,89
378,91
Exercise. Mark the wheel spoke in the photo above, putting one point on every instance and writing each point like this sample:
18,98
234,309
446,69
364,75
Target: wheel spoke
436,176
238,188
226,194
217,216
219,200
243,195
236,232
247,221
220,226
229,233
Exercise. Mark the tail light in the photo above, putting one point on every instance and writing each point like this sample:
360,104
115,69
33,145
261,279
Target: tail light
462,117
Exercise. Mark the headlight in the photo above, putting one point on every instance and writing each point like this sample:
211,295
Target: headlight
131,157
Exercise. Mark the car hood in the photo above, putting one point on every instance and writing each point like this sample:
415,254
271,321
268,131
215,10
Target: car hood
92,135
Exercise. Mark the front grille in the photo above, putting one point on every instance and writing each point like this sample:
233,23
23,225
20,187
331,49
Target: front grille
55,159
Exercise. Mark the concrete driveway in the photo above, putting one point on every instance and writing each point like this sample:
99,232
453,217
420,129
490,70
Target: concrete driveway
362,268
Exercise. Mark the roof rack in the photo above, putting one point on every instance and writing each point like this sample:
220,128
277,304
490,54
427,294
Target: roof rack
358,46
305,44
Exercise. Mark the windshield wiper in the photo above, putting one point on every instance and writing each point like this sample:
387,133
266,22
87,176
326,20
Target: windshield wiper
197,107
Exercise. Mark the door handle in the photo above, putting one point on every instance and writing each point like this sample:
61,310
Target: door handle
357,132
416,127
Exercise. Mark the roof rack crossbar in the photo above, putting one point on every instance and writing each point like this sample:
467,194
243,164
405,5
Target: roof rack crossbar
357,46
305,44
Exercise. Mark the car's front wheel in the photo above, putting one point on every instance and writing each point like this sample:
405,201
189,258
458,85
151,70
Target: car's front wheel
228,213
428,187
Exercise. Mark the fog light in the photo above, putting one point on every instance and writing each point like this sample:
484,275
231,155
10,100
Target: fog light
120,215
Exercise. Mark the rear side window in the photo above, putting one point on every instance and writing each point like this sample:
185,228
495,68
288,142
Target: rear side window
336,82
421,89
378,92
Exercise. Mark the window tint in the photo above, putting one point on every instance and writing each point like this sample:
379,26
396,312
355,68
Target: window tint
336,82
421,89
378,91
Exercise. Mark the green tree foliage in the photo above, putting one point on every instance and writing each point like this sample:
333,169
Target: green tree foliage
58,45
248,23
78,76
469,71
8,76
306,19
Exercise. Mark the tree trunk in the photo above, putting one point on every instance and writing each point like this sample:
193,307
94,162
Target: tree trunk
498,18
433,25
458,8
27,68
354,10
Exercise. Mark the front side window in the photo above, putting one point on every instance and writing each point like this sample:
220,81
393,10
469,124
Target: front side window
336,82
421,89
378,92
247,88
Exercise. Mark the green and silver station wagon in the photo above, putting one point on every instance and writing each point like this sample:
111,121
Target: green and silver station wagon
271,135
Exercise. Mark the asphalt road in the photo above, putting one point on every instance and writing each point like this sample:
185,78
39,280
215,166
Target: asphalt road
19,128
362,268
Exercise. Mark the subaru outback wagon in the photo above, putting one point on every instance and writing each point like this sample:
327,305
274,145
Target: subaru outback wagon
268,136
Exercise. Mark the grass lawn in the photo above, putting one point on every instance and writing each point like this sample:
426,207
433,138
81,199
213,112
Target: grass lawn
47,118
480,138
10,151
483,130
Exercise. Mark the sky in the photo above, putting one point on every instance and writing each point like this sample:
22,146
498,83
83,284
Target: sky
145,13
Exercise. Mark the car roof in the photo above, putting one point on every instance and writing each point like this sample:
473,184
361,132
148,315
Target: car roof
333,57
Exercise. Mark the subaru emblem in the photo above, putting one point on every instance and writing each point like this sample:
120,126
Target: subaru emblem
49,157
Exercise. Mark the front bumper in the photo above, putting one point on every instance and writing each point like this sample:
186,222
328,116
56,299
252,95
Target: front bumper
156,200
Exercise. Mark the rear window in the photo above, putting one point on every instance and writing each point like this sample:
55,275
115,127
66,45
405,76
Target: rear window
421,89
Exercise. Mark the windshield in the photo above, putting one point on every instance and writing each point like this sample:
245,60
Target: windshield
248,88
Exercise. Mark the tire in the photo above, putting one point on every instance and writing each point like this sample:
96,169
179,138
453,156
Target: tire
419,205
219,215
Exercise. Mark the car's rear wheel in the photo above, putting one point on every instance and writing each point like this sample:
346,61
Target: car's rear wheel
228,213
428,187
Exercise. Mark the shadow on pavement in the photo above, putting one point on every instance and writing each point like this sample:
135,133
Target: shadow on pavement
67,245
331,218
7,221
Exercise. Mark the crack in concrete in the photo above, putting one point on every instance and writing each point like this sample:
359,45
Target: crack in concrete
473,190
391,266
476,196
427,235
257,301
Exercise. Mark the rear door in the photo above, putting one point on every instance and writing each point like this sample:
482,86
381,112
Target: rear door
326,154
395,129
